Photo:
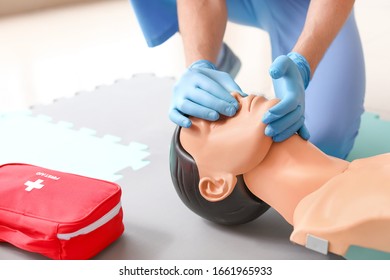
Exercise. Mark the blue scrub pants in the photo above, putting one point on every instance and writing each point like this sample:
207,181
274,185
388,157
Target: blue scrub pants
335,95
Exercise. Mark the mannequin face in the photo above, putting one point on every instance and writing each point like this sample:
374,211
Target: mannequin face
230,146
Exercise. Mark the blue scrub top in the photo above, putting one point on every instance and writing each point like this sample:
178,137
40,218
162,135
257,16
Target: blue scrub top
157,18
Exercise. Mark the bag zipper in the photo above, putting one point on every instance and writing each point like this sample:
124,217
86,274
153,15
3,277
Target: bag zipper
103,220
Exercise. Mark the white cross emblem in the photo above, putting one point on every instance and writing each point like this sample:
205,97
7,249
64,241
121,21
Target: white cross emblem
34,185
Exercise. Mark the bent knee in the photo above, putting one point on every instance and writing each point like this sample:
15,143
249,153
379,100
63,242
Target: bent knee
335,139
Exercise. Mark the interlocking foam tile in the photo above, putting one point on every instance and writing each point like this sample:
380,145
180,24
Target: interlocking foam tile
37,140
360,253
373,138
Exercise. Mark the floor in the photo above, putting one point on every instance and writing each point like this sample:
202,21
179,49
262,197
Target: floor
56,53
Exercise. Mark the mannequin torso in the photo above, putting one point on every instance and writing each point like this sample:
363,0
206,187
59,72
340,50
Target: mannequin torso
350,209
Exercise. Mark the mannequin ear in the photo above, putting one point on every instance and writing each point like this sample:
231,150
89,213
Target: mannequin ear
213,189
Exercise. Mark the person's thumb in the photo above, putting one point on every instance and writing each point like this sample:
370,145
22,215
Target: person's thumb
280,66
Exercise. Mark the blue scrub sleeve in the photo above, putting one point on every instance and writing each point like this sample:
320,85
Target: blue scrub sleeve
157,18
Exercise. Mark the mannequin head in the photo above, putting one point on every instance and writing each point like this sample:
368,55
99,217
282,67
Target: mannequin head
209,158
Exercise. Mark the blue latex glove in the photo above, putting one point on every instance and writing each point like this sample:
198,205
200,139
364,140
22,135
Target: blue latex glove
291,76
203,92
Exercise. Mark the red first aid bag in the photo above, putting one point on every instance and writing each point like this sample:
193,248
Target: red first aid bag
56,214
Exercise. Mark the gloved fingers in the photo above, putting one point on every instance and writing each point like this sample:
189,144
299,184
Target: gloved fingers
205,99
179,119
289,131
243,94
229,84
185,100
191,108
280,66
216,89
285,106
224,79
282,124
304,132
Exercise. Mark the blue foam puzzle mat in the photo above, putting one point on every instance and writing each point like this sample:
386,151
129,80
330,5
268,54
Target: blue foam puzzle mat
373,137
39,141
360,253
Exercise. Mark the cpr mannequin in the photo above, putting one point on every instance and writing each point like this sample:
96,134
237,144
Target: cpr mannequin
331,199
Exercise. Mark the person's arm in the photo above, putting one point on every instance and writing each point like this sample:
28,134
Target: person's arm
324,20
202,25
202,91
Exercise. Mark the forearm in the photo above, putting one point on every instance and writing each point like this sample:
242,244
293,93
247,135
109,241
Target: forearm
324,20
202,26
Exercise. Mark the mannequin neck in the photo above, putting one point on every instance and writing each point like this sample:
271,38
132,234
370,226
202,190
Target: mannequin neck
291,170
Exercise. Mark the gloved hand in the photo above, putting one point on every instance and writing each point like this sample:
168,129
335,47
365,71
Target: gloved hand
291,76
203,92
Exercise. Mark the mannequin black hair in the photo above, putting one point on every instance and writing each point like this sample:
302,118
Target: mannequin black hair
241,206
